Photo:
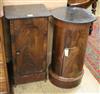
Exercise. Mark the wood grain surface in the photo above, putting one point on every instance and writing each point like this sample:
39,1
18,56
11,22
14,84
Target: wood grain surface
29,48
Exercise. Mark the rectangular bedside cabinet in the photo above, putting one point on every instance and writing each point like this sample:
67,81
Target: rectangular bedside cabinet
28,34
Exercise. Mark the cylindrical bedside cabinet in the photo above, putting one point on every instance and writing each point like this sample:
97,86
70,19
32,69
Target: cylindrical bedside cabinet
71,28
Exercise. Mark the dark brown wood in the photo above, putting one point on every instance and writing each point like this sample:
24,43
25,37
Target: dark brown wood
29,48
75,40
94,5
28,34
73,37
69,45
62,82
7,45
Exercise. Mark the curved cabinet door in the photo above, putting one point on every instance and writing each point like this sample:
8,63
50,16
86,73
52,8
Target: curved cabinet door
29,48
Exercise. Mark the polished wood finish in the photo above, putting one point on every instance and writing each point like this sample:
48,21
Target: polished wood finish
28,34
66,71
29,49
69,46
75,40
20,12
4,84
62,82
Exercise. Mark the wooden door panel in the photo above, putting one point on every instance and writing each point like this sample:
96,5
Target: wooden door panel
30,45
73,63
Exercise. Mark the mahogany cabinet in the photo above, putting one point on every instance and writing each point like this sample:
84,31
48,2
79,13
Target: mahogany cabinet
71,29
28,34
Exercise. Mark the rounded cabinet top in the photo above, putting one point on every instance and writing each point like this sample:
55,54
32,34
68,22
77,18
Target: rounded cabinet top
73,15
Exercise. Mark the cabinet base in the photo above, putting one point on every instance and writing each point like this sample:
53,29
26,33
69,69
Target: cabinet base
62,82
31,78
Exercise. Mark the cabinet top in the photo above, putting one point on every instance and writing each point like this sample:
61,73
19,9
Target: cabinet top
73,15
26,11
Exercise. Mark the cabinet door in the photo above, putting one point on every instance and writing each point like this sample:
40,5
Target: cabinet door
75,43
29,45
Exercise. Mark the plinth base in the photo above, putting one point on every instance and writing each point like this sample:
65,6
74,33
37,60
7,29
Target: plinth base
62,82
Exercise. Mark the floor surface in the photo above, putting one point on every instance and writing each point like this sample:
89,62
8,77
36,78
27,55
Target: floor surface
89,85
